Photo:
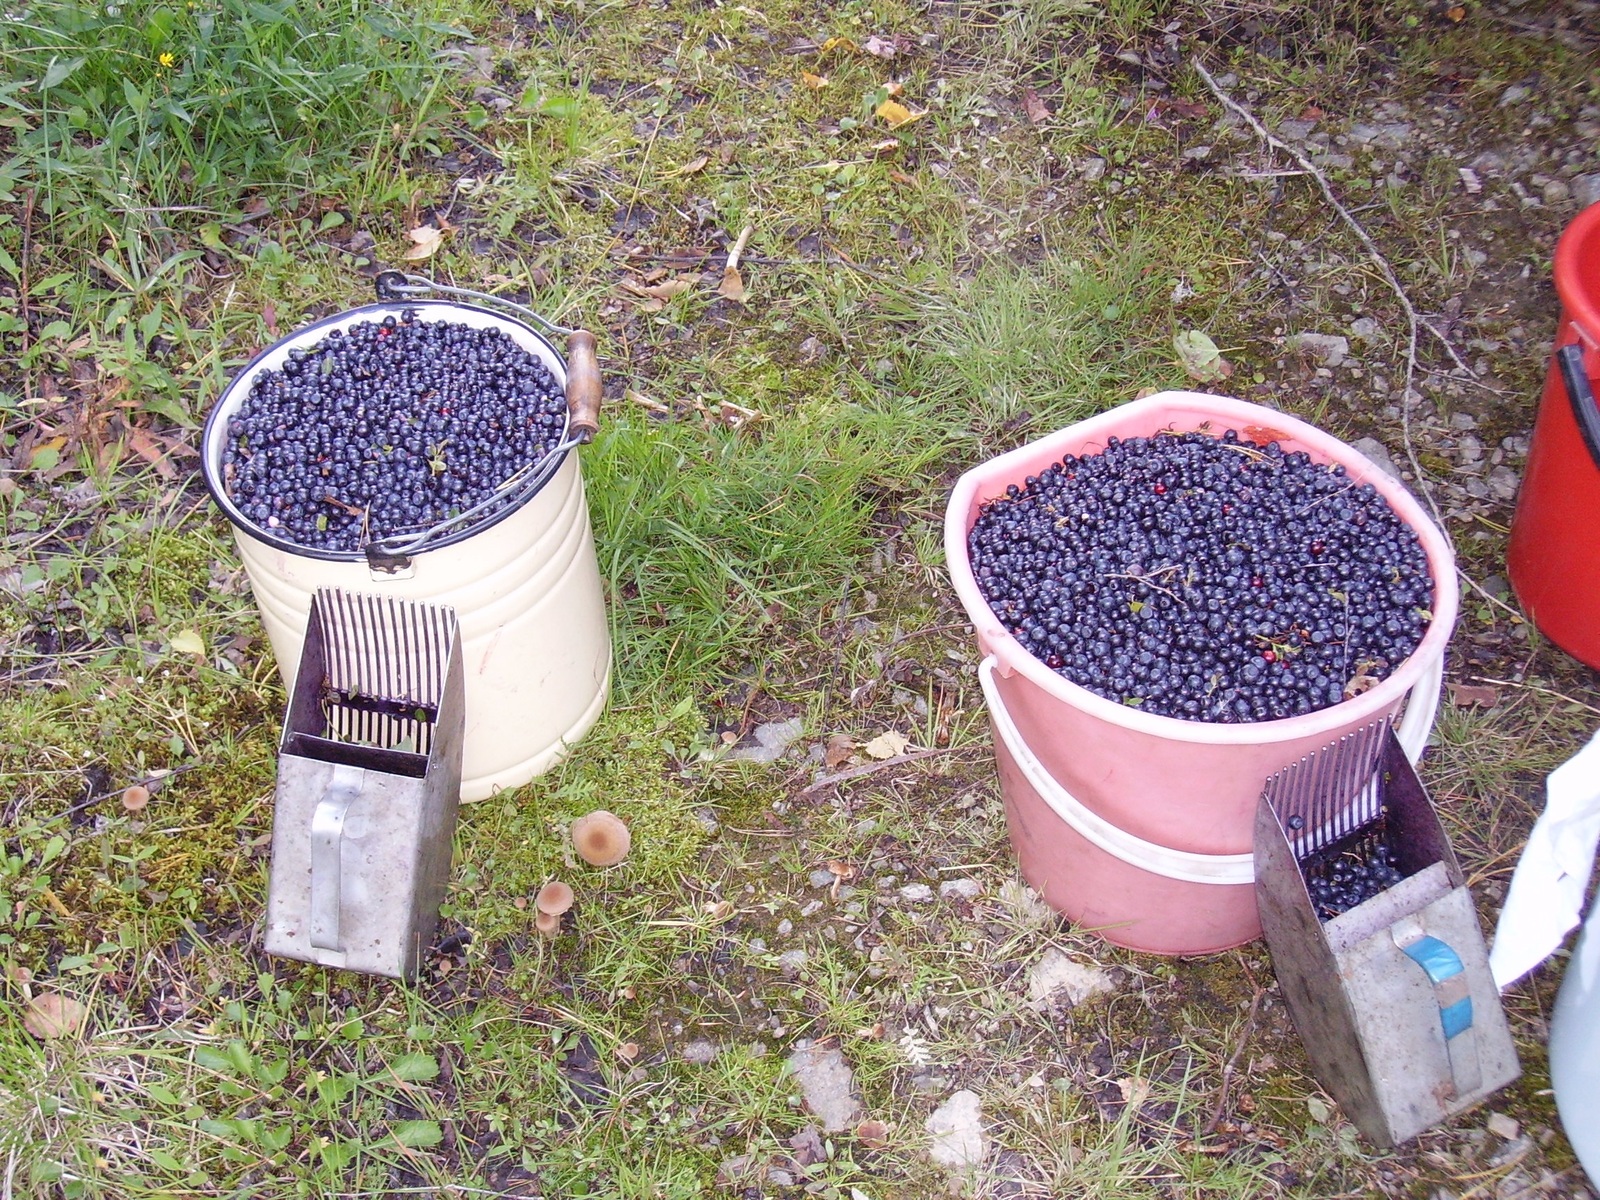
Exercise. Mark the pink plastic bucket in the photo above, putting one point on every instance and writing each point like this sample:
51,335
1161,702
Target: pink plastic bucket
1141,826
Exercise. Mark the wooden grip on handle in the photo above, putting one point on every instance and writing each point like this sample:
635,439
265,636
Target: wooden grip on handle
583,386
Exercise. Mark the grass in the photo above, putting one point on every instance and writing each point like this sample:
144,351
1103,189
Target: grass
767,496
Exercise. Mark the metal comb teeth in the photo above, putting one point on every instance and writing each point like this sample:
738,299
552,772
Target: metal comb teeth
385,667
1332,793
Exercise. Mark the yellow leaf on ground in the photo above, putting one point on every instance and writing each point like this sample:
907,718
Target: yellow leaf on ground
895,114
814,82
887,745
839,43
692,168
187,641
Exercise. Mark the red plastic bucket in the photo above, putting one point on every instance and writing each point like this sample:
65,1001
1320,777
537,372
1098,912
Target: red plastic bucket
1554,556
1141,827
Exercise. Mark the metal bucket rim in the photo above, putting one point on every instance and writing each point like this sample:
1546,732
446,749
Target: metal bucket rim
214,431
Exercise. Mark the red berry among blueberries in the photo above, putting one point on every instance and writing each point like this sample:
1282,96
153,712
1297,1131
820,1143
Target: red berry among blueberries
1204,578
388,428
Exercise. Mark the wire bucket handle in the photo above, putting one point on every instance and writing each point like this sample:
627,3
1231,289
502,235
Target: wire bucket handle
393,555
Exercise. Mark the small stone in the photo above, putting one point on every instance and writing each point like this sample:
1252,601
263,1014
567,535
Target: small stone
1197,153
1515,94
772,739
1586,189
1556,192
785,927
1091,169
1296,131
1326,348
1378,453
956,1127
1490,162
827,1084
701,1052
822,878
792,962
916,893
1463,420
965,889
1055,975
1503,483
1365,329
1502,1126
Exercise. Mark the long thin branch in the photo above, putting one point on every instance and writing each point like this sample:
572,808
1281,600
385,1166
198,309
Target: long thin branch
1414,321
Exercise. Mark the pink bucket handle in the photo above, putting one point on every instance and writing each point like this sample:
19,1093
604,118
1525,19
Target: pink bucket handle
1422,705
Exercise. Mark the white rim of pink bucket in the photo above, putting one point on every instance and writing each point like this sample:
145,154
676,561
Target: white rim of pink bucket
1222,412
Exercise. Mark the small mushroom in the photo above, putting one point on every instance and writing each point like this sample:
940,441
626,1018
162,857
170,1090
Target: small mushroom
547,923
135,797
554,898
600,838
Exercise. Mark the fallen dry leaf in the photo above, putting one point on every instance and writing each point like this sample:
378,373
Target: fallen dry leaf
1035,109
692,168
142,444
839,43
426,239
887,744
1466,694
878,47
53,1016
873,1134
187,641
1360,683
659,292
732,285
840,747
815,82
1263,435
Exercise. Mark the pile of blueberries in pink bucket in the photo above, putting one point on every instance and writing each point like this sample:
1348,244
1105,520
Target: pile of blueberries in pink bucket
1205,578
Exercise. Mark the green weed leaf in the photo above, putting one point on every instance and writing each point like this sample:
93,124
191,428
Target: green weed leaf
58,72
415,1067
417,1133
1200,357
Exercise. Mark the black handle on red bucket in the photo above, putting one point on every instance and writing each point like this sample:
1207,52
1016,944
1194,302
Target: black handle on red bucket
1581,394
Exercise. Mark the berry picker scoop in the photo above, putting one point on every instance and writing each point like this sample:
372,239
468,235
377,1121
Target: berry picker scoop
514,559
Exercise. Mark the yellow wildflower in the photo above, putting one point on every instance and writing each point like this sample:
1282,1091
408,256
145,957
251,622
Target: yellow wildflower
167,59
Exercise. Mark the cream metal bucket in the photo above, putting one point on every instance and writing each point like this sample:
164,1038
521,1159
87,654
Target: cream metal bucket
525,584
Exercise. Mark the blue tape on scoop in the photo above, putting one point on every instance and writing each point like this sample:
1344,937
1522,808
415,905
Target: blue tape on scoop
1436,958
1442,963
1457,1018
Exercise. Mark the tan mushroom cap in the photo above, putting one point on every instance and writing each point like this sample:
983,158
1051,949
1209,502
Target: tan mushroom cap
547,923
554,898
600,838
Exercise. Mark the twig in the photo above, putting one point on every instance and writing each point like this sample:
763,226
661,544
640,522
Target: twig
1233,1062
1414,321
1533,687
897,760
